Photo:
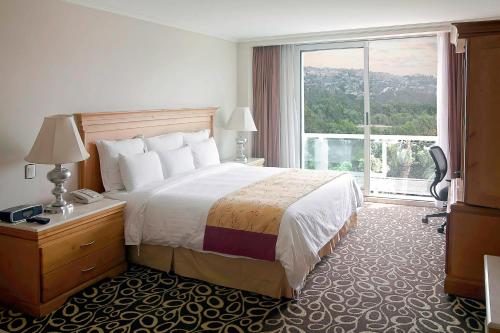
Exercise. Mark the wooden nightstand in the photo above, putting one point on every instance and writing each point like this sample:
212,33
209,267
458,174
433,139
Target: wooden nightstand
251,161
42,265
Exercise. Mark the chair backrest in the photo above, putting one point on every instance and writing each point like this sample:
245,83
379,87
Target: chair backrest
441,168
440,162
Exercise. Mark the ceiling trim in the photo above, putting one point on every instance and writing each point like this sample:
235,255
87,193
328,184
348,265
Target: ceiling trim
351,34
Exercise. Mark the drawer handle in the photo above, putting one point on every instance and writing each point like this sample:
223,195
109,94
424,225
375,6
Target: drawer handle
88,269
88,244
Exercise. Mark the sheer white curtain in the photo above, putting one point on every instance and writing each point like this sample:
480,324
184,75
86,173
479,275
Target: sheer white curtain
289,110
443,68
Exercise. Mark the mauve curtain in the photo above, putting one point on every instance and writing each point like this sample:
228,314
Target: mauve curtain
456,111
266,103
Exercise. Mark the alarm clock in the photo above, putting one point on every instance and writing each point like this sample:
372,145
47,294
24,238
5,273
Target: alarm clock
20,213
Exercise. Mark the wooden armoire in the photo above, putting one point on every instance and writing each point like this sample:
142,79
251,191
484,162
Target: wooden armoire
474,221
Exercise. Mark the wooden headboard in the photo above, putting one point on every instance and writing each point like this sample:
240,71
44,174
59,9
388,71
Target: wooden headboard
128,124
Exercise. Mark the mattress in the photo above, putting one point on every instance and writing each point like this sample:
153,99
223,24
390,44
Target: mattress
174,213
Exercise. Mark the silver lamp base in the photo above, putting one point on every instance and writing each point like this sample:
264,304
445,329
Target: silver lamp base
240,150
50,209
58,176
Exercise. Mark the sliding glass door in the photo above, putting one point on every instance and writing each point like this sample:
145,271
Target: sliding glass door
369,108
403,115
334,96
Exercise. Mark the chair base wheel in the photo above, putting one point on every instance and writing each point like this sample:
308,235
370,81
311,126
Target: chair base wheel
425,220
440,230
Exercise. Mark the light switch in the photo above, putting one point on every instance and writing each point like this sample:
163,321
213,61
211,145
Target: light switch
29,171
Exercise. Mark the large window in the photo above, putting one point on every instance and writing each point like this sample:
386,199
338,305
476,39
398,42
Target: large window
370,108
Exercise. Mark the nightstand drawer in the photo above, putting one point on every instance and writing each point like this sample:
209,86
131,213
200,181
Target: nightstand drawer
82,242
79,271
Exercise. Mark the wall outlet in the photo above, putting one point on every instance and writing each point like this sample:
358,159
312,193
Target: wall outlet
29,171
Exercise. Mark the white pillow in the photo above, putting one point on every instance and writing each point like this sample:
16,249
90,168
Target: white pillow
195,137
166,141
138,170
109,152
176,161
205,153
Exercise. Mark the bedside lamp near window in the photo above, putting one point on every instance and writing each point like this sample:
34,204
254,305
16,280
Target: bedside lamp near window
58,142
241,120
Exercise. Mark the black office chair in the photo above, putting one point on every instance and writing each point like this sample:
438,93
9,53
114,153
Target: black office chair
441,166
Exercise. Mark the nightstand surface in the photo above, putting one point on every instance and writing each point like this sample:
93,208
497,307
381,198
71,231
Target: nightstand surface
255,161
56,220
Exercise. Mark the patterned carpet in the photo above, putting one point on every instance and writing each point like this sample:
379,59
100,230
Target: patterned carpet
385,276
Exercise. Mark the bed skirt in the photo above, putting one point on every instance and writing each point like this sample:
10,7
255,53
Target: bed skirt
259,276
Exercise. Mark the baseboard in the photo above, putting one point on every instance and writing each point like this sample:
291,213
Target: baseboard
402,202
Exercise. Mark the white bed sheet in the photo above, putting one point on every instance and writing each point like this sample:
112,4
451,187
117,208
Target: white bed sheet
174,213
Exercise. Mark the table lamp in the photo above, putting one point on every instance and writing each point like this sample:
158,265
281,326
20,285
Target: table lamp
58,142
242,121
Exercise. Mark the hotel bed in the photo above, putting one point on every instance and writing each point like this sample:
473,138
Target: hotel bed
167,222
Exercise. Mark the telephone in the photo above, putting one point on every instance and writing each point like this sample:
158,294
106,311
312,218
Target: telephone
86,196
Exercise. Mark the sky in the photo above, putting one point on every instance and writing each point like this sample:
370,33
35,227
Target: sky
405,56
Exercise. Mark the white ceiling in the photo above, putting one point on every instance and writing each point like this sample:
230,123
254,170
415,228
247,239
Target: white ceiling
240,20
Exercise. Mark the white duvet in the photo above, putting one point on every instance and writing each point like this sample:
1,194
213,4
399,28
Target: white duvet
174,213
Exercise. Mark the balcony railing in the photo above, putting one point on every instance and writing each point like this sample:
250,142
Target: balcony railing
400,165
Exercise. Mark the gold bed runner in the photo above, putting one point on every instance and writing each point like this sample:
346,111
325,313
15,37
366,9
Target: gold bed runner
254,213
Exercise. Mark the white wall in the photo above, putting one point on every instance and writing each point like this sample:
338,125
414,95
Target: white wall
244,84
245,52
57,57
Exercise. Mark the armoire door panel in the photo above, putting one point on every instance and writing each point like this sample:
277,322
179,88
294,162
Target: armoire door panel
482,156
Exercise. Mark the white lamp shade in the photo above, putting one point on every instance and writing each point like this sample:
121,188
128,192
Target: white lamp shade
241,120
58,142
